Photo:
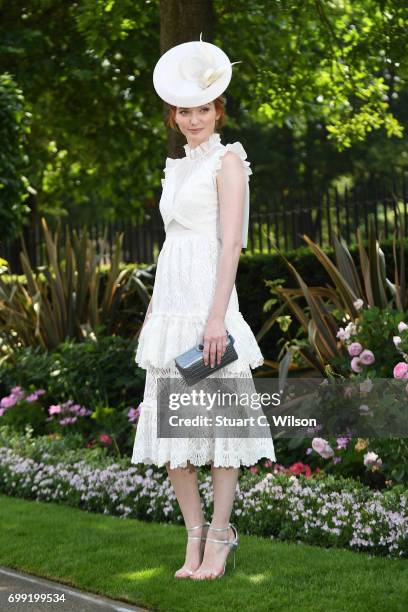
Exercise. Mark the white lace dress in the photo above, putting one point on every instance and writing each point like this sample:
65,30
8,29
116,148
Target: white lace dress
182,296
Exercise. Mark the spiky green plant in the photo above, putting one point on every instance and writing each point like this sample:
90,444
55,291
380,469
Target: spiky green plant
71,297
372,287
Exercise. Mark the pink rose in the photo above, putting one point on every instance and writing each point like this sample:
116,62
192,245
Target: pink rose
354,349
321,446
355,364
367,357
401,370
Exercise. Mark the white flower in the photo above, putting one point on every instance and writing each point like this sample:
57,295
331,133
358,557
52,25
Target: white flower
372,458
358,304
345,333
396,340
341,334
402,326
351,329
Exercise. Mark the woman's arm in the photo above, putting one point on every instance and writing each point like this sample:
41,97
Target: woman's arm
231,183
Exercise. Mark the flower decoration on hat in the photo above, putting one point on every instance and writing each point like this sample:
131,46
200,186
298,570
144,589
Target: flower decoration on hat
201,67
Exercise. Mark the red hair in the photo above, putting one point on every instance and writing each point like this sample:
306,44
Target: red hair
219,104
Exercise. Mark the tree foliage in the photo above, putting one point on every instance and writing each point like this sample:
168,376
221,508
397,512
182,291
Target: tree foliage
318,78
14,125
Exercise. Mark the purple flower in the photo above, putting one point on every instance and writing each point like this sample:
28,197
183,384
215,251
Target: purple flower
355,364
133,414
367,357
342,442
33,397
67,421
354,349
75,408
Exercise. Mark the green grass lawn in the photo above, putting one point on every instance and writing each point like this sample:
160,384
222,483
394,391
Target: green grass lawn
134,561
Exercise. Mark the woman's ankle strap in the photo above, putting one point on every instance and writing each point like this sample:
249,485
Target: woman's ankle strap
197,527
220,528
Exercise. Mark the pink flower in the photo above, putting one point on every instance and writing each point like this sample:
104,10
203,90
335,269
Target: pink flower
322,447
17,392
105,439
354,349
355,364
54,409
367,357
253,469
401,370
8,401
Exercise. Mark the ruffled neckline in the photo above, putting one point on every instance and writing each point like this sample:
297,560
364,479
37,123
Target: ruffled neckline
203,148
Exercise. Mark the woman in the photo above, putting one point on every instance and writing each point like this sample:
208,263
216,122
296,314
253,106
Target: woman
205,209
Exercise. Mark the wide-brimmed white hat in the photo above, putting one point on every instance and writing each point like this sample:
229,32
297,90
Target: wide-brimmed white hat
192,74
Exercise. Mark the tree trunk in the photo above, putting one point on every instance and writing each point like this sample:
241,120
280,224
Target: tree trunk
180,22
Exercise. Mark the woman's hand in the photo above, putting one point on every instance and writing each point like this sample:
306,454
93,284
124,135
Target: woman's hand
214,340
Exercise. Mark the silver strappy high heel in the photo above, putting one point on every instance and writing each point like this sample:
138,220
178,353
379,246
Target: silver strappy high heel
185,569
233,544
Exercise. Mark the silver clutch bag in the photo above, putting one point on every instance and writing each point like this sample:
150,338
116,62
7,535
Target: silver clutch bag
191,363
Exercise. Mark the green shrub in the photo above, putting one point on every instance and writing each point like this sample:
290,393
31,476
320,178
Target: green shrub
90,373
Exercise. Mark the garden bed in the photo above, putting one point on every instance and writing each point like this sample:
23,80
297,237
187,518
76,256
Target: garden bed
328,511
